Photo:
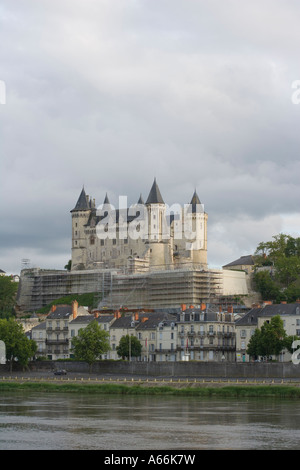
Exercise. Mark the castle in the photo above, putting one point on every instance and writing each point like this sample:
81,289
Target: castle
148,254
144,237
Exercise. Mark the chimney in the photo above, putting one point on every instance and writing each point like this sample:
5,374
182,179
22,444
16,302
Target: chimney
136,317
96,314
230,309
183,307
144,319
74,309
203,306
53,308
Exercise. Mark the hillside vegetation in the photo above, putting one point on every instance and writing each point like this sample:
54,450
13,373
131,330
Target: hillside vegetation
277,275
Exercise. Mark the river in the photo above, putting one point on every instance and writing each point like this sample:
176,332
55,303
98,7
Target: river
60,421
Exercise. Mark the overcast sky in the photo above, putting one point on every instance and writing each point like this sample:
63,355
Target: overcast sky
112,93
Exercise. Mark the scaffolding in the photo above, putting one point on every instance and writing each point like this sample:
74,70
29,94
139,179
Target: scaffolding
114,289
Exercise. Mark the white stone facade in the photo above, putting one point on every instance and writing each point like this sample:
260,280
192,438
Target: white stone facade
146,236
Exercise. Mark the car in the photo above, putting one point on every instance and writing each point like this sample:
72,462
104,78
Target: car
60,372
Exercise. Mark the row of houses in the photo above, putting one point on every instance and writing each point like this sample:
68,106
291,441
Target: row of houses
186,333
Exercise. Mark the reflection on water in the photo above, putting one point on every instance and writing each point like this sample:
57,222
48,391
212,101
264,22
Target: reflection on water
67,421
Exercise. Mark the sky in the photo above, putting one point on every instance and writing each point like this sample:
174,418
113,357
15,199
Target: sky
110,94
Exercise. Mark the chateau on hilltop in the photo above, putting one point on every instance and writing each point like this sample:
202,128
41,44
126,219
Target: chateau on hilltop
145,237
147,255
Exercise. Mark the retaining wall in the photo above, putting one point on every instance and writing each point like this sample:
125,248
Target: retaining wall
175,369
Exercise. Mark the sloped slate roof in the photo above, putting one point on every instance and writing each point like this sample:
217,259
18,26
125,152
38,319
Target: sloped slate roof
243,260
61,312
155,196
82,204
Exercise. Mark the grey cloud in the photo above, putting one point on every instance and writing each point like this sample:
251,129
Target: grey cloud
111,94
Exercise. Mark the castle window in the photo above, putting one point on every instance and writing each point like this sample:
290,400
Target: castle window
92,241
114,241
102,242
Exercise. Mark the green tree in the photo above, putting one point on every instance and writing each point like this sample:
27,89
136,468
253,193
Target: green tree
253,345
18,346
271,339
129,346
90,343
8,291
269,289
68,266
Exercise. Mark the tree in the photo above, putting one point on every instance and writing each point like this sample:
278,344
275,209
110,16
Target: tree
268,288
271,339
8,291
90,343
18,346
283,253
68,266
129,346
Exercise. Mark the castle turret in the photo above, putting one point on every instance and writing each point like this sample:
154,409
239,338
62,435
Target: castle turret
159,242
196,222
80,216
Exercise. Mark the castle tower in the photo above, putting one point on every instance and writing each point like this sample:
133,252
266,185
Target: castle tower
196,219
80,216
159,244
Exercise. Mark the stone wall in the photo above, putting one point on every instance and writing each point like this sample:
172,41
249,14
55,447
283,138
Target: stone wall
175,369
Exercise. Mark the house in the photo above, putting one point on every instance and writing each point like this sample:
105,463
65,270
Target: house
244,263
158,336
123,325
38,334
206,335
57,329
245,327
81,321
255,318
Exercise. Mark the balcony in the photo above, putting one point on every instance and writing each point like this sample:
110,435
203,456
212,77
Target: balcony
55,342
191,333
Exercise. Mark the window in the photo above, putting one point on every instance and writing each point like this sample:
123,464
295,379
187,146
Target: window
243,334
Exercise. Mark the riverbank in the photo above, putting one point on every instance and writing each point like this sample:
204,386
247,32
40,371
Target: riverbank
144,388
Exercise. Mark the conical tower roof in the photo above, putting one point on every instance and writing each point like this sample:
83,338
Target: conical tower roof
82,203
141,200
106,200
155,196
195,203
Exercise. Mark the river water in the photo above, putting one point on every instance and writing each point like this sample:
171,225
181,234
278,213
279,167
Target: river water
40,421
